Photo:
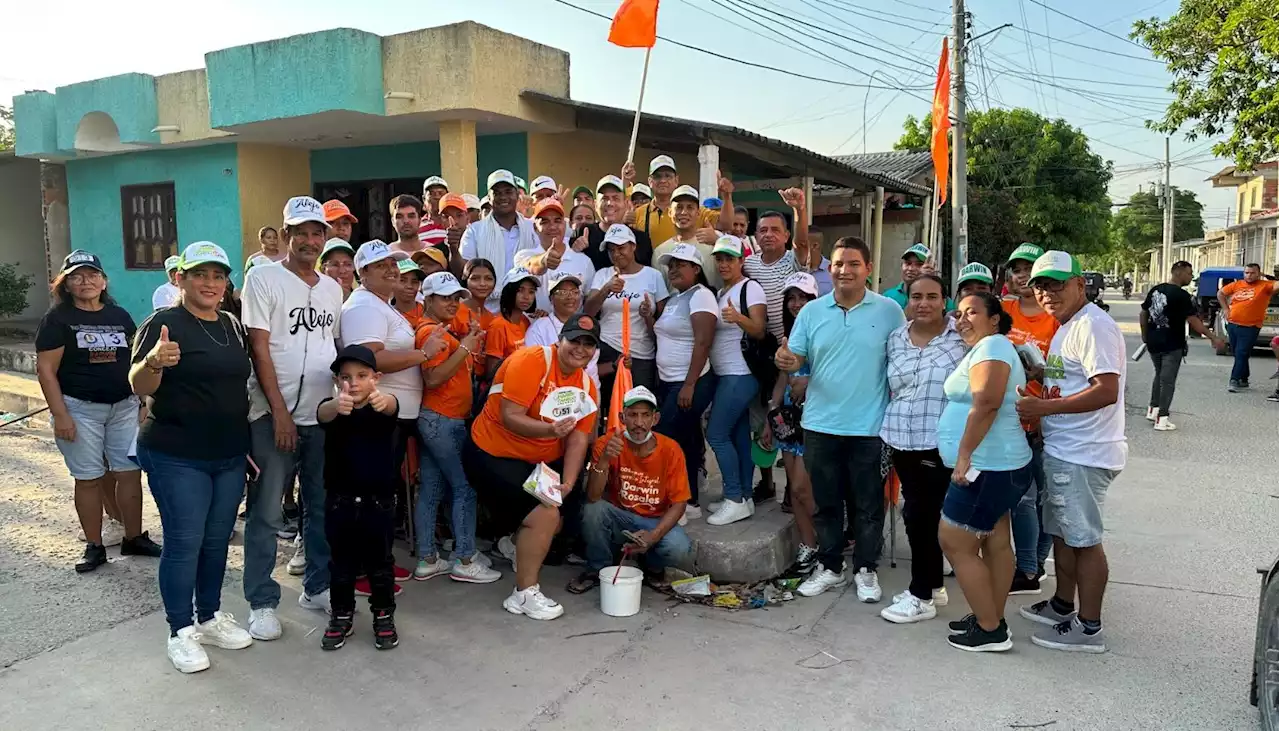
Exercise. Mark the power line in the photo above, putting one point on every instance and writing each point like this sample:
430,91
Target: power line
1094,48
788,43
1091,25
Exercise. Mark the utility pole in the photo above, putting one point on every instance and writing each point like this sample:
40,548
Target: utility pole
959,158
1166,258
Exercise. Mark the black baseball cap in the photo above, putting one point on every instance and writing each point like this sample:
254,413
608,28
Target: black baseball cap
356,353
80,258
579,325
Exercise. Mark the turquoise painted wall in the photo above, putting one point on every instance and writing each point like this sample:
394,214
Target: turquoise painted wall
206,196
296,76
35,121
129,99
510,151
377,162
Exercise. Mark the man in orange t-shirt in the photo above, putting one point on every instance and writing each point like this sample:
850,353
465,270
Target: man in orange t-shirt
638,485
1245,301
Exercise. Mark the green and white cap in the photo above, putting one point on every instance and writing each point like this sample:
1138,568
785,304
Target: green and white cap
1026,252
731,245
1057,265
918,250
171,264
639,395
409,265
203,252
336,244
975,272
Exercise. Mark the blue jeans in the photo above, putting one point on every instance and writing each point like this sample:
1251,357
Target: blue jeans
266,517
685,426
1242,340
1030,541
729,433
198,500
602,526
441,461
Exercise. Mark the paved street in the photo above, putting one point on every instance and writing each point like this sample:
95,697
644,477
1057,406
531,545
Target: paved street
1189,520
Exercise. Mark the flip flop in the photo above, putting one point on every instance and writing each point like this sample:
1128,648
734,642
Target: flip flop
586,581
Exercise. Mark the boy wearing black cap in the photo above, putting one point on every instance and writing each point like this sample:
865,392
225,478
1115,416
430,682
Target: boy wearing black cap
360,485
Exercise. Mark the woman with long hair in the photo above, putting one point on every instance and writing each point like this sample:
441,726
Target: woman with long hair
82,363
506,332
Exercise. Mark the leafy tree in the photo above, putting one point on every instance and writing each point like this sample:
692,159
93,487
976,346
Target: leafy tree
6,128
1139,227
1223,56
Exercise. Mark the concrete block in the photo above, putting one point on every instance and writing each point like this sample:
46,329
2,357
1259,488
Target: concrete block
758,548
18,358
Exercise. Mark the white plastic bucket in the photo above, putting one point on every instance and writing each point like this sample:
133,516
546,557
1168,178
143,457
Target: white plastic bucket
621,599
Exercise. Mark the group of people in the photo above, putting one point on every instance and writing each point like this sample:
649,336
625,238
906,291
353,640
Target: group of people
472,362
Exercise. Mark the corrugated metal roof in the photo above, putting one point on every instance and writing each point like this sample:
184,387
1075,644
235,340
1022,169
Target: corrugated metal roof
898,163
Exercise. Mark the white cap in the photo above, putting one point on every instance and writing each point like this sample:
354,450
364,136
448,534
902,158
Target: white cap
372,252
203,252
433,181
639,394
171,264
501,176
661,161
543,182
685,191
613,180
619,234
303,208
803,282
642,189
442,284
683,252
556,276
473,203
518,274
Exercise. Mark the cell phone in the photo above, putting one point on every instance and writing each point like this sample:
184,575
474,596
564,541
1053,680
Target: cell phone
251,469
632,538
972,474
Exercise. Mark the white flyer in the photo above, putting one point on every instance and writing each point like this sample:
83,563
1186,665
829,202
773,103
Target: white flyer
567,401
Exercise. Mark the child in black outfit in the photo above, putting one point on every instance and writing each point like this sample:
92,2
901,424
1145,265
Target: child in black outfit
360,485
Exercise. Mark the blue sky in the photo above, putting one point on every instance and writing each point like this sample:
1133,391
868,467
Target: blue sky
1095,85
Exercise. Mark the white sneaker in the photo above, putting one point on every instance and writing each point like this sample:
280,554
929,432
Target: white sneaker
478,557
264,624
298,564
1163,424
714,506
112,532
868,586
692,512
318,601
507,549
1152,413
222,631
473,573
731,512
907,608
185,651
532,603
940,598
822,579
430,568
684,520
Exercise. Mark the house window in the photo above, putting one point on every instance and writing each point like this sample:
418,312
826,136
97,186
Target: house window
150,225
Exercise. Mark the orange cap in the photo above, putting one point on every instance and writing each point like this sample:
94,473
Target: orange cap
453,200
548,204
335,209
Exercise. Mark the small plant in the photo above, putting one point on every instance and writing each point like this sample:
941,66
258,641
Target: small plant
13,290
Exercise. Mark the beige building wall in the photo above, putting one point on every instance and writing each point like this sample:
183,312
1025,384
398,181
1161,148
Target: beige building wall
582,158
269,175
182,100
22,235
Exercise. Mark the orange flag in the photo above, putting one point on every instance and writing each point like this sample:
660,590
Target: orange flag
635,25
941,115
622,381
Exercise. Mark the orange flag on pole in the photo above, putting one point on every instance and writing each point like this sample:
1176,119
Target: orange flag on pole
622,379
635,25
941,115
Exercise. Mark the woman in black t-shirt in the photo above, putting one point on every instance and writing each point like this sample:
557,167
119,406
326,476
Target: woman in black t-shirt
82,361
192,361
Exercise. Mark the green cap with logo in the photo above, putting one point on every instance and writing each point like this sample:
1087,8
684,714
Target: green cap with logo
919,251
975,272
1057,265
203,252
1025,252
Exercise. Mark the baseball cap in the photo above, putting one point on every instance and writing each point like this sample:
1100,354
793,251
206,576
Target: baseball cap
544,182
642,189
548,204
518,275
556,277
453,200
303,208
486,202
521,184
203,252
918,250
661,161
80,258
372,252
1057,265
1026,252
356,354
801,281
685,191
613,180
335,209
581,189
498,177
619,234
975,272
442,284
409,265
714,204
171,264
682,252
473,202
431,252
579,325
639,395
731,245
434,181
333,245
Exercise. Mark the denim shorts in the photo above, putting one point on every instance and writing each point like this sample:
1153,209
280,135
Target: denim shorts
978,506
104,434
1074,496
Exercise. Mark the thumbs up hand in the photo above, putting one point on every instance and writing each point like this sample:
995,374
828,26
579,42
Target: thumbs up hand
165,353
785,359
555,254
1030,406
646,307
345,402
382,402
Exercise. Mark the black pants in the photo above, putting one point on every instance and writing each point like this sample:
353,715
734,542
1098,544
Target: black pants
924,484
1165,379
846,469
499,486
360,530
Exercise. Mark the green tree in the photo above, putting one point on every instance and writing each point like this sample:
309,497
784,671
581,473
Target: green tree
1030,179
1223,57
7,139
1139,227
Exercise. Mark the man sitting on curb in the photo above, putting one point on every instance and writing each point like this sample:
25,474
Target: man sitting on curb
637,484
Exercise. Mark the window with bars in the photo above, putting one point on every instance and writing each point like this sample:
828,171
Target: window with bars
150,225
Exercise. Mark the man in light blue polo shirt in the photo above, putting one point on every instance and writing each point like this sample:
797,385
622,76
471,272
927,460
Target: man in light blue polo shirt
843,337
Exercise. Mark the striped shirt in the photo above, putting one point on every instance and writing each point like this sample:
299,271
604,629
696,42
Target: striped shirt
771,278
433,234
916,377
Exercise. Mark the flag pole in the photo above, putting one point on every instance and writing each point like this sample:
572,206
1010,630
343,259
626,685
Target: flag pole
635,126
933,221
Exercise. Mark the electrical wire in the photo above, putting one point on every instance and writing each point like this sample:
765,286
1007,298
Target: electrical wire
1095,48
1087,23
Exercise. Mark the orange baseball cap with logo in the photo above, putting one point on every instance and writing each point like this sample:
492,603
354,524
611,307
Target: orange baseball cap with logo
335,209
453,200
548,204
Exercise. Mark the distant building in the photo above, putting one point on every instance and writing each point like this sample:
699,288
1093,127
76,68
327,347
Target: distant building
1251,238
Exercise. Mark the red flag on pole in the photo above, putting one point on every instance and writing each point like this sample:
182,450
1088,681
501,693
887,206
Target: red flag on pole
635,25
941,115
622,381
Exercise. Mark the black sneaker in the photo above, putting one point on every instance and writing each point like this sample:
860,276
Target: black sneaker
384,630
761,494
94,556
786,500
976,639
1024,585
336,634
1233,386
806,560
962,625
1243,384
142,545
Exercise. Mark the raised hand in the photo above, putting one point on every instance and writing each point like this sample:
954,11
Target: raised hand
793,197
472,340
435,343
628,173
613,447
731,315
646,307
706,235
616,283
383,402
165,353
555,254
581,243
784,358
563,194
345,402
723,184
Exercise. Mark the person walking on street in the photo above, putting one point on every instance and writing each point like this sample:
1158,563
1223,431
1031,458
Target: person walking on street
1244,303
1166,313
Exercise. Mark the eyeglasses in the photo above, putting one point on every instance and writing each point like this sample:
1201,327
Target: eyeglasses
89,276
1048,285
566,292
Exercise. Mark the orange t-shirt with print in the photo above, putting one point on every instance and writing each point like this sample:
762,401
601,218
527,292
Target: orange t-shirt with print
526,379
414,316
453,397
1037,330
646,485
504,337
1249,302
461,325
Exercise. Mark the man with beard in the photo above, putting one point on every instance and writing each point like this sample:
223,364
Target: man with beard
552,254
502,233
406,218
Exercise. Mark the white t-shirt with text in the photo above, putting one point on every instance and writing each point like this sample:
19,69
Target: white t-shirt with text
674,332
1088,345
726,351
635,286
572,261
166,295
367,319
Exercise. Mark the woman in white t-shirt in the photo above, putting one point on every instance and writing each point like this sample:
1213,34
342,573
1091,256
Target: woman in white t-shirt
643,288
729,427
565,290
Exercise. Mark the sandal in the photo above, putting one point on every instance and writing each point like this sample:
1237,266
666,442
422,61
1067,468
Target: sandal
586,581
